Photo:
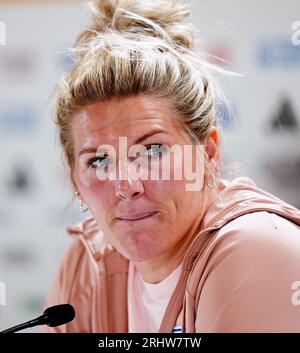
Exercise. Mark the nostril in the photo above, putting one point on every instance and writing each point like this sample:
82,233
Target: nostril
135,193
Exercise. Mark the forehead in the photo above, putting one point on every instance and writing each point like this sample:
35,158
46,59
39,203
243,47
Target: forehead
122,117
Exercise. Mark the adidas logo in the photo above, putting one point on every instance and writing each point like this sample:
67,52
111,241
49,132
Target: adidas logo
285,118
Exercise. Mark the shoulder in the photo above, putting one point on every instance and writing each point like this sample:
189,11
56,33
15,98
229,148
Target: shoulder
254,244
86,257
260,232
86,271
258,243
251,266
91,250
91,255
89,237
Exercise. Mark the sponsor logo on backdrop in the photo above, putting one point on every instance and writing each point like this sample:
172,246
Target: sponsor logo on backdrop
2,33
283,168
20,179
284,119
15,120
221,53
226,115
295,39
278,53
18,256
20,62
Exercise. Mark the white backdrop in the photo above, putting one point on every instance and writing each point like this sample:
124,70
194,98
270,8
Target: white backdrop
262,136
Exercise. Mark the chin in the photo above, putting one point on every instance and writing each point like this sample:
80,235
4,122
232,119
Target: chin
139,246
140,252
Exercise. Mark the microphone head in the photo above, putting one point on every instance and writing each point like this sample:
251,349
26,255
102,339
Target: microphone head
59,314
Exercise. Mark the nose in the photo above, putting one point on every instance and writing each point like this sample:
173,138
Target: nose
128,187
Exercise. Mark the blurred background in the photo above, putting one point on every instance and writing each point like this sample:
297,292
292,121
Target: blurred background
260,135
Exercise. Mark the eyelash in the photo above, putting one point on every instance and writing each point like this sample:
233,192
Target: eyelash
148,147
92,160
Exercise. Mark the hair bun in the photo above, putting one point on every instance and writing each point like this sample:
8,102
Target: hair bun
159,18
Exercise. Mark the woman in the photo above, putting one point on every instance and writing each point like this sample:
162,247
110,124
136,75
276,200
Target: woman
160,254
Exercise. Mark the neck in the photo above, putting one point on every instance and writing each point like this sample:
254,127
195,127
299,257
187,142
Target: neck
157,269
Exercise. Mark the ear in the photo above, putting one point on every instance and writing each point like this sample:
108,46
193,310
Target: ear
211,147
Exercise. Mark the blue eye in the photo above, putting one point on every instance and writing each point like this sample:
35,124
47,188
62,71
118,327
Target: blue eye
155,150
99,162
152,151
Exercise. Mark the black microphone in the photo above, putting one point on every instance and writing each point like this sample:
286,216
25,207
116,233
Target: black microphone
53,316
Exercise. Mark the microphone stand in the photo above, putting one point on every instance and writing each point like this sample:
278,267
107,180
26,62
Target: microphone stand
41,320
54,316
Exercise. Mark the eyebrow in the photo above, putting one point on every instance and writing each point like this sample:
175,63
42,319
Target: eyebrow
149,134
137,141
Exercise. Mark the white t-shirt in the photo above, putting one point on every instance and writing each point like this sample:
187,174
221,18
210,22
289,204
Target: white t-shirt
147,302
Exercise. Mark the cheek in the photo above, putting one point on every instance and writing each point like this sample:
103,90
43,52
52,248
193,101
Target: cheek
174,198
96,193
168,193
182,165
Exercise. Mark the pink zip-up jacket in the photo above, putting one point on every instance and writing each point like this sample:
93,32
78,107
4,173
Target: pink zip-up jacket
241,273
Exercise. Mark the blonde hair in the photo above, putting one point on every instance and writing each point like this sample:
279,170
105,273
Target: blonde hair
138,47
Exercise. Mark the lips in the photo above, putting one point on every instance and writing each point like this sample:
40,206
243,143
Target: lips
136,217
